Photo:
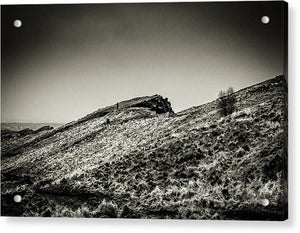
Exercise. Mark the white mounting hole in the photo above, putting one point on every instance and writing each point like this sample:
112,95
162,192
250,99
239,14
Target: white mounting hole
17,198
265,19
17,23
264,202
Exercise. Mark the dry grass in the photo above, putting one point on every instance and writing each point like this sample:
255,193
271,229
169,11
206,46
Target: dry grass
193,165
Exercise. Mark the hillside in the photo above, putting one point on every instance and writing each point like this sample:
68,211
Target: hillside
139,159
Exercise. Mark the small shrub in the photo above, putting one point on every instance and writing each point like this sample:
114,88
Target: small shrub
226,102
106,209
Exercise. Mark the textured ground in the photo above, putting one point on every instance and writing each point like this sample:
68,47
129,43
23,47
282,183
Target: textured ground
148,162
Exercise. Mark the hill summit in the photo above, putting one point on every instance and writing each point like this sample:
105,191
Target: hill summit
139,159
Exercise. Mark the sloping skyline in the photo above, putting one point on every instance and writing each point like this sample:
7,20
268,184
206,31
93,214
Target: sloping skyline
69,60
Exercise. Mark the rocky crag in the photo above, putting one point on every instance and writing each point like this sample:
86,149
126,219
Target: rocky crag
139,159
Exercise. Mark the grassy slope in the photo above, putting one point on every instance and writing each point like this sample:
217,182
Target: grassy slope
194,164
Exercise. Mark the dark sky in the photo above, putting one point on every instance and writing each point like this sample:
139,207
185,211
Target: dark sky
69,60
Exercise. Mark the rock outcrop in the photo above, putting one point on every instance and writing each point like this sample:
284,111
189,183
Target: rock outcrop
154,103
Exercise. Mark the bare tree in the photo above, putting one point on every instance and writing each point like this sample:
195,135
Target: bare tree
226,102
